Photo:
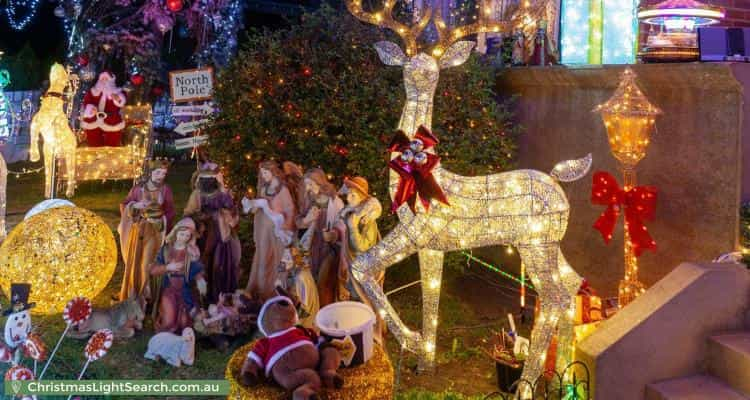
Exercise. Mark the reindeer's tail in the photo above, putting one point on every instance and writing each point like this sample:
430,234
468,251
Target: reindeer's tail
572,170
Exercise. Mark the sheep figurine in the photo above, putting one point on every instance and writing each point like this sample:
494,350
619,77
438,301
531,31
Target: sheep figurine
174,349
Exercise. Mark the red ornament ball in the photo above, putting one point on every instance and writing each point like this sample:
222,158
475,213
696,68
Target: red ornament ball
281,144
82,60
307,71
174,5
157,91
136,79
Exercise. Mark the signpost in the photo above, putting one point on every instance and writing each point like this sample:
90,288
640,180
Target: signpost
193,111
191,84
187,127
194,141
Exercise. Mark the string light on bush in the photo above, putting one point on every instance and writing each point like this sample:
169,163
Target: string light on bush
12,11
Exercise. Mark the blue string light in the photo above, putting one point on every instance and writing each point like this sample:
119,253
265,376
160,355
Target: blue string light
223,45
11,11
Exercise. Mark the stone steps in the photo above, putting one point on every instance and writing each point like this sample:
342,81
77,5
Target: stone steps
695,387
729,359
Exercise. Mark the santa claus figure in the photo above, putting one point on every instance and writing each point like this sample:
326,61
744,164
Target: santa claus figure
101,121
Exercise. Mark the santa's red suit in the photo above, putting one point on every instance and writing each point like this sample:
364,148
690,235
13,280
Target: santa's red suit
101,120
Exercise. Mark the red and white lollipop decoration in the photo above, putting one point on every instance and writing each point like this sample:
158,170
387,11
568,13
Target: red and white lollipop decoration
98,344
34,347
19,373
96,348
76,312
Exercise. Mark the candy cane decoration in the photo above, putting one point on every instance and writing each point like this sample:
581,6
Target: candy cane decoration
76,312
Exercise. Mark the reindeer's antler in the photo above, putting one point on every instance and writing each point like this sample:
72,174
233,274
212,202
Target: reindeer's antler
446,37
385,19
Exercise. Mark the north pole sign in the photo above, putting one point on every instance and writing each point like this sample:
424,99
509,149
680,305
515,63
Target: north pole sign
191,84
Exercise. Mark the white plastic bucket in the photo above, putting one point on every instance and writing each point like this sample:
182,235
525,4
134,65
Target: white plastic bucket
348,323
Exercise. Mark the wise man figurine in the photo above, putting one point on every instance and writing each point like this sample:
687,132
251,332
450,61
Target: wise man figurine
544,53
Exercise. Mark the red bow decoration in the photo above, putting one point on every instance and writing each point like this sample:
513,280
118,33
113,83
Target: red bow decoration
639,204
414,166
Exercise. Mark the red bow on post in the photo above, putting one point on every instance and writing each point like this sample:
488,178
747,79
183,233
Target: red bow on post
639,204
414,166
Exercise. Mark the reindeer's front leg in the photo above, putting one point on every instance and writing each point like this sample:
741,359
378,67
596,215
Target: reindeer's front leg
431,271
49,169
368,266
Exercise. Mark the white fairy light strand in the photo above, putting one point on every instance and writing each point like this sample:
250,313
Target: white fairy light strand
11,11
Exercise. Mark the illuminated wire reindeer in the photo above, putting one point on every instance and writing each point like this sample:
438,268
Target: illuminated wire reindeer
51,122
527,209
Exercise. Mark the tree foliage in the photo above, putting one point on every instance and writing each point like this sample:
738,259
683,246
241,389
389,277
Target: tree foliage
317,94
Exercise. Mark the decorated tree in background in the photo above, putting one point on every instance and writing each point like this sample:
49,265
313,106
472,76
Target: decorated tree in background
141,38
318,95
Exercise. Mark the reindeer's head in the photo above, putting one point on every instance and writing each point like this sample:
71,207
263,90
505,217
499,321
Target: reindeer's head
421,71
58,78
422,66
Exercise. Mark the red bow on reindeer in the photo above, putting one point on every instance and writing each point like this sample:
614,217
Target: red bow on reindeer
414,166
639,204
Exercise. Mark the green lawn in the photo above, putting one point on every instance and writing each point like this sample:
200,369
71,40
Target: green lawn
470,309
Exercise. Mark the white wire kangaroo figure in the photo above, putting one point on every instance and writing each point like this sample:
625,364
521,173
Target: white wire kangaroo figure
527,209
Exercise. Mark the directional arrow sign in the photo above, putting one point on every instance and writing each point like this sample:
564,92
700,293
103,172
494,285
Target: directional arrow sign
194,141
187,127
190,111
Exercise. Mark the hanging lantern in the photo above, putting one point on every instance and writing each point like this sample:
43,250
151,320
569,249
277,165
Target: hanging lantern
174,5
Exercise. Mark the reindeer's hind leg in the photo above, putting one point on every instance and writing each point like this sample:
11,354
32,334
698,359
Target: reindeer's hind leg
542,266
369,266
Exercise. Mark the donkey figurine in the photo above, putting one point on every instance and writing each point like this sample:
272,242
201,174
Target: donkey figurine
526,208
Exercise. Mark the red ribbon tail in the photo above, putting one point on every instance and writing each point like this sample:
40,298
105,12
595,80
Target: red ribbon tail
640,239
605,224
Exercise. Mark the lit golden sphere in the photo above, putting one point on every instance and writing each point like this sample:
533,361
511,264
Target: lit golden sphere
62,252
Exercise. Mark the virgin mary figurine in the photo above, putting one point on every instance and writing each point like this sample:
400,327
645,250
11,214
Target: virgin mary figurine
146,216
178,265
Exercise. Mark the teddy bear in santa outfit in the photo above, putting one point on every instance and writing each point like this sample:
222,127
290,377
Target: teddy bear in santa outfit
101,120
